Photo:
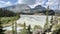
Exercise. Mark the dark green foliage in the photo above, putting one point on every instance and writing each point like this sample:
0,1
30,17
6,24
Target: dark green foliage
46,26
24,25
29,29
14,25
57,29
15,28
50,26
1,28
13,31
51,22
51,12
56,19
6,13
37,27
24,31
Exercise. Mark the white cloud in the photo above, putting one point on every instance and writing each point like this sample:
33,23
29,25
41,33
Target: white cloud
4,4
59,7
8,3
52,3
37,2
32,3
32,6
29,2
19,1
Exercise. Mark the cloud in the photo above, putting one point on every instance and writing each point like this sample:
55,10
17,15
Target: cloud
32,3
53,4
8,3
19,1
4,4
29,2
37,3
59,7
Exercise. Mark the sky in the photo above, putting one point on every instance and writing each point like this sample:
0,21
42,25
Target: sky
53,4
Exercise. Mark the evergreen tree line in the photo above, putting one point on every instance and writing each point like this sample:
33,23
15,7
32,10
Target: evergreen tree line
6,13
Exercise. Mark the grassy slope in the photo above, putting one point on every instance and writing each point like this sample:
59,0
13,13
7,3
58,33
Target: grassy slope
7,21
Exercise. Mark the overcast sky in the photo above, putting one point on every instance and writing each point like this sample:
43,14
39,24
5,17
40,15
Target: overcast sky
32,3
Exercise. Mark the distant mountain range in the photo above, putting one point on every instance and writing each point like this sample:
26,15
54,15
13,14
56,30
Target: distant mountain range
39,7
18,7
24,8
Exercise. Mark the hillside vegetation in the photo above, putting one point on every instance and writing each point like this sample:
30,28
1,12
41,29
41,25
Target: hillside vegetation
6,13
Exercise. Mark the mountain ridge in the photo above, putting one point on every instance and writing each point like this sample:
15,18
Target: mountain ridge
25,9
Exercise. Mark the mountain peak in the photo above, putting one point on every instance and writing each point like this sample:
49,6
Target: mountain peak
38,6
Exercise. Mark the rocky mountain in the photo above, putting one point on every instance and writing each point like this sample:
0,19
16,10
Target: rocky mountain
18,8
39,7
25,9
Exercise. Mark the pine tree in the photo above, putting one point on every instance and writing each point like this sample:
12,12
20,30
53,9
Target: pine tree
57,29
24,25
56,19
15,28
46,26
37,27
29,29
1,28
14,25
13,31
24,31
51,23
